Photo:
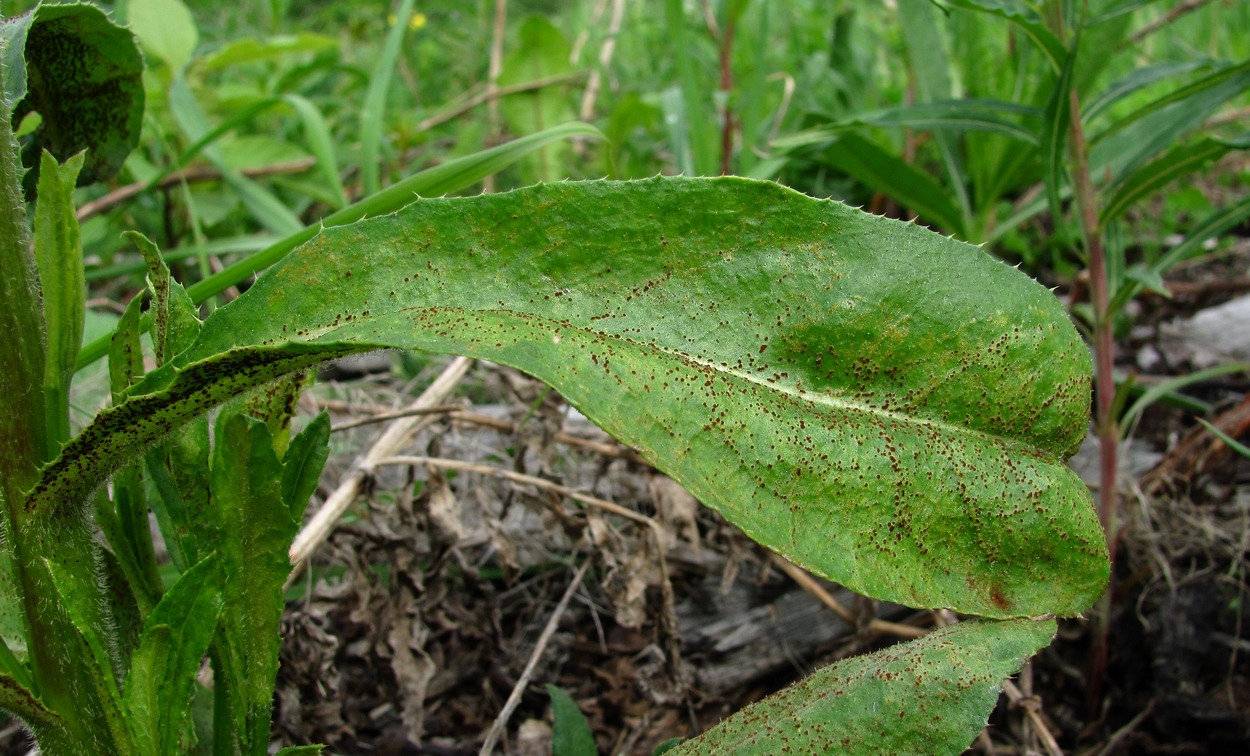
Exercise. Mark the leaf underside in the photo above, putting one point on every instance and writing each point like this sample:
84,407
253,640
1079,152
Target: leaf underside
887,407
932,695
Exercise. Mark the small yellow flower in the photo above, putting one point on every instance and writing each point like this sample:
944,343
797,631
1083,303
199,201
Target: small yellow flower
417,20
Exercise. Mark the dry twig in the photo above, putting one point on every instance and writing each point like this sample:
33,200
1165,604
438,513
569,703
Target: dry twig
514,698
323,522
669,614
809,584
1032,706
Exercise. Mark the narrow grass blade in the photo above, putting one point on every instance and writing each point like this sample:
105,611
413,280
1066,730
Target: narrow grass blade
1150,178
1135,81
1007,119
1054,140
373,114
1216,87
699,133
1211,227
930,69
267,209
1025,18
885,172
1163,388
321,144
1233,443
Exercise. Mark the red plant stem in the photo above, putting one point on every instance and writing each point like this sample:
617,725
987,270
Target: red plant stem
726,84
1105,421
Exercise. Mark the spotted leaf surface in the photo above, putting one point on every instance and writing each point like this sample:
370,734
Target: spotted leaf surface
885,406
932,695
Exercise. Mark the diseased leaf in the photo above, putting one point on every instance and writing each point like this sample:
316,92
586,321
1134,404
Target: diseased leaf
256,529
931,695
885,406
175,320
86,81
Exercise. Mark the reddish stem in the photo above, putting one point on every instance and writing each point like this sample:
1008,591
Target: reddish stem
1104,362
726,85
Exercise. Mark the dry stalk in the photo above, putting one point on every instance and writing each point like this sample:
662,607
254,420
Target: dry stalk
594,83
492,81
514,698
1032,706
442,409
398,434
189,175
809,584
492,95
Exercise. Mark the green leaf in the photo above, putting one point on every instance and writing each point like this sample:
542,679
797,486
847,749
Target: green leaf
931,695
167,504
163,670
571,735
126,350
887,407
1179,161
124,521
1025,18
991,116
274,405
86,82
263,50
12,627
302,464
256,529
166,29
58,253
885,172
443,179
83,666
